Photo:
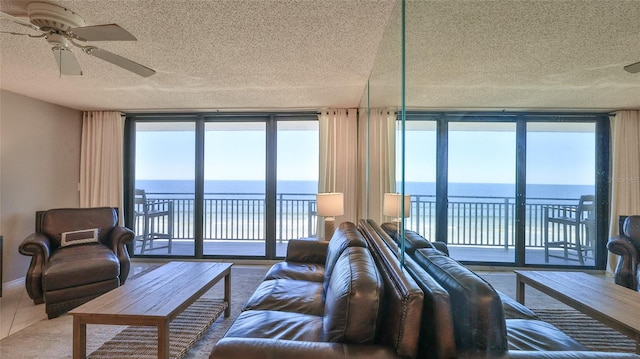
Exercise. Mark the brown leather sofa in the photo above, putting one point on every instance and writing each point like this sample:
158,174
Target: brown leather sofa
433,307
364,306
627,246
465,317
76,254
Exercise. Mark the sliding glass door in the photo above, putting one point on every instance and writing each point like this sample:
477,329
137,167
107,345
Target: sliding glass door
510,189
229,186
481,191
234,188
164,189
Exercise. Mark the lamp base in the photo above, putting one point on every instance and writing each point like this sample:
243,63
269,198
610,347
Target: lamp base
328,228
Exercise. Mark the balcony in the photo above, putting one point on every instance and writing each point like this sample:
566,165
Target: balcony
479,228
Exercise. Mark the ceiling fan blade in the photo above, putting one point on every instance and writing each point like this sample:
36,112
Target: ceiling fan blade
120,61
633,68
106,32
67,62
23,22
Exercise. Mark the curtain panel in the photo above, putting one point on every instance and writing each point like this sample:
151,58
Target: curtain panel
377,160
101,160
625,172
338,160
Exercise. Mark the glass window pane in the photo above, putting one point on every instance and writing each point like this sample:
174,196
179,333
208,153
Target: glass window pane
234,193
560,171
481,186
165,187
297,168
420,176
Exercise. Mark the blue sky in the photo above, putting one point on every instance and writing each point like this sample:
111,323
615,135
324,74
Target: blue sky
474,156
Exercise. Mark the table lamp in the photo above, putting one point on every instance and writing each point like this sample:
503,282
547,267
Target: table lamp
392,205
330,205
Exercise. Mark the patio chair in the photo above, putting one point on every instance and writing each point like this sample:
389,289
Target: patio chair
577,237
154,221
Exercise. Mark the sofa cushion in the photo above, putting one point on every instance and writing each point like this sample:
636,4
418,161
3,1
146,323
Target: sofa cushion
413,240
288,295
527,334
276,325
299,271
478,317
353,299
347,235
79,265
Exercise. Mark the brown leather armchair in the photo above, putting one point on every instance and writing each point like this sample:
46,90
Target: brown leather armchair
77,255
627,246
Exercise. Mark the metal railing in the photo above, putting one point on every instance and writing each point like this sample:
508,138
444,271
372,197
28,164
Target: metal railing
481,221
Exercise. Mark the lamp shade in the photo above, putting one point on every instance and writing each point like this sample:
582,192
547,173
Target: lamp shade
330,204
392,205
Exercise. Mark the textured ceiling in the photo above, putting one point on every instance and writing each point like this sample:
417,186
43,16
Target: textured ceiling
304,54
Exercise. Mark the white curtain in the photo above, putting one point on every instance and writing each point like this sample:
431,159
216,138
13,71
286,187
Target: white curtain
338,160
377,158
101,160
625,172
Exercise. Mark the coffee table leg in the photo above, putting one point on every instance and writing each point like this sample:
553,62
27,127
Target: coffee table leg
519,289
79,338
163,340
227,294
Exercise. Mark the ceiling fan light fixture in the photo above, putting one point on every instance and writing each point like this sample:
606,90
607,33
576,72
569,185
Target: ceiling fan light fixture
49,16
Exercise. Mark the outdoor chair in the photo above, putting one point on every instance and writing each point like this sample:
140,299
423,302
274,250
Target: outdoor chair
153,221
77,254
627,246
573,229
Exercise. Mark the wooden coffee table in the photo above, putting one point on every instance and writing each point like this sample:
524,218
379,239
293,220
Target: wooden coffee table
154,299
613,305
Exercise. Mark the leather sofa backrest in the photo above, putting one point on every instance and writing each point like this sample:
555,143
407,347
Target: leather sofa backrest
353,299
54,222
402,301
345,236
436,328
478,316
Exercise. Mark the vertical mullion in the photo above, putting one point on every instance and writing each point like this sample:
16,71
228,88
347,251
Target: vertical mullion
521,191
271,187
198,216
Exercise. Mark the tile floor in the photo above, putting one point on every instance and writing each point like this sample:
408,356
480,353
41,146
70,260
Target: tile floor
17,310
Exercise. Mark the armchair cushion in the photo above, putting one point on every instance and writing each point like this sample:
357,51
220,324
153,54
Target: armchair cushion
79,237
79,265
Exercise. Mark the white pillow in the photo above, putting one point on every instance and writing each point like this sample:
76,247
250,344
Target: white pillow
80,237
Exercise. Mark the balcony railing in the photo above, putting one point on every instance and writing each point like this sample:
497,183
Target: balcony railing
481,221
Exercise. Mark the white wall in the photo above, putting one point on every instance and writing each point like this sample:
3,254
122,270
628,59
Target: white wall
39,169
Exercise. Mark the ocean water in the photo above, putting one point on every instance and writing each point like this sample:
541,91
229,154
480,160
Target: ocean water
413,188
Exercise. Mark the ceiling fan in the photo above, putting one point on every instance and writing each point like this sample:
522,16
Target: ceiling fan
64,29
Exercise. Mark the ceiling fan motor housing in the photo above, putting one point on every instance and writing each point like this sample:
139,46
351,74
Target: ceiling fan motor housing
52,17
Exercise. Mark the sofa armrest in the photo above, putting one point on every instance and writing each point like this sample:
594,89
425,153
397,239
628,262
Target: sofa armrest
626,271
38,247
307,251
117,241
441,246
258,348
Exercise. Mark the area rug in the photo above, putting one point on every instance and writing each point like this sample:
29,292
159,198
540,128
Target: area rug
142,342
586,330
